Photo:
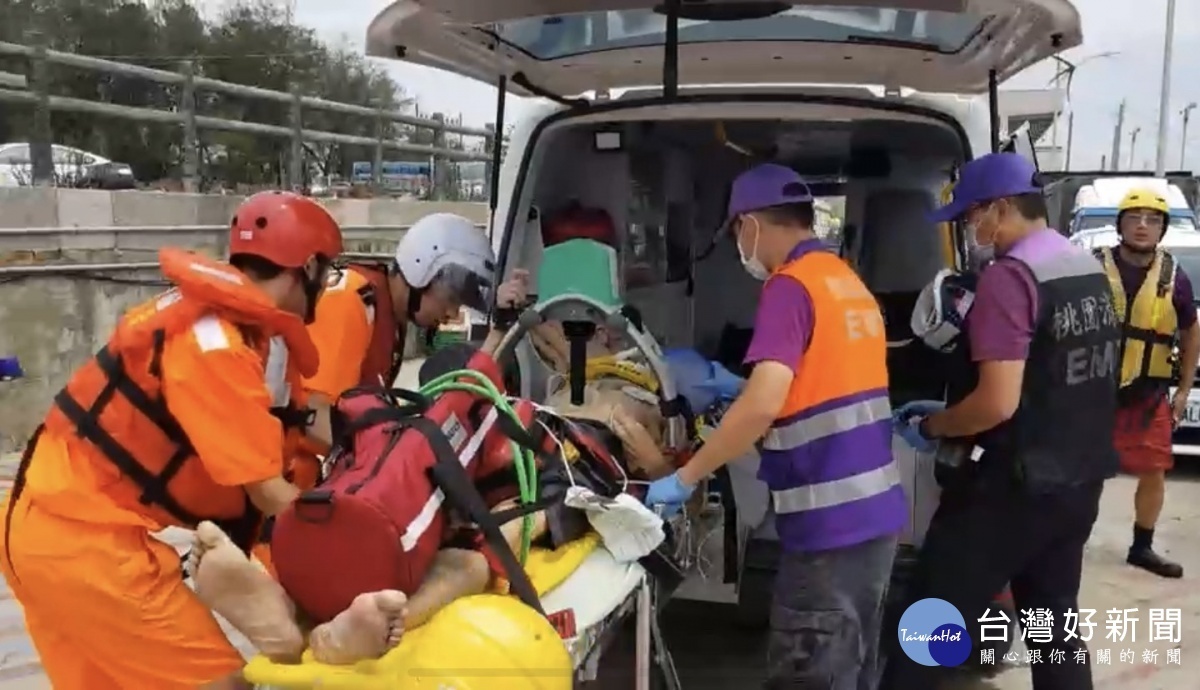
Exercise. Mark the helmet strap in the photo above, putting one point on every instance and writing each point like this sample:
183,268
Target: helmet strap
312,290
414,301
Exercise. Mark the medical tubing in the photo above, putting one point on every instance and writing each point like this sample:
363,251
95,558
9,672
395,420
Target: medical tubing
524,460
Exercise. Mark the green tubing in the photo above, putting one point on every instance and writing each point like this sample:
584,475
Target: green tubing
525,462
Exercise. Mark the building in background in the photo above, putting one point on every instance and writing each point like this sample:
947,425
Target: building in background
1040,108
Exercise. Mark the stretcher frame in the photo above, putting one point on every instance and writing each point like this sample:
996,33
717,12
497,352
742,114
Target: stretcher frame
650,650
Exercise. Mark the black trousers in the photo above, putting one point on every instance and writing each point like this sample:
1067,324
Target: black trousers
980,542
826,616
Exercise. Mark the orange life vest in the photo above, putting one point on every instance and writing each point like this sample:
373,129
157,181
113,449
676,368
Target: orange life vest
385,352
114,401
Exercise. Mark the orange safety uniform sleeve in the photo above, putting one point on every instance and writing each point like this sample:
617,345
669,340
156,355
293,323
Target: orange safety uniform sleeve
215,386
342,333
107,607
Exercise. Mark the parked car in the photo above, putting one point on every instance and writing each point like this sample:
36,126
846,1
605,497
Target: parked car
72,168
106,175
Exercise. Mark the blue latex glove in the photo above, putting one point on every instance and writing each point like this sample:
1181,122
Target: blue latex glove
668,492
906,422
700,381
723,383
917,408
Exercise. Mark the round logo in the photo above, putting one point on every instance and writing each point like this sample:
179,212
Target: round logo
933,633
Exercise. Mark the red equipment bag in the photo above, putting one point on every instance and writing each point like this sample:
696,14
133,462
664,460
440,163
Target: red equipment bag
378,519
575,221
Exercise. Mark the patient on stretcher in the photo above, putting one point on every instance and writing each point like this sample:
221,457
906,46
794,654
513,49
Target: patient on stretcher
375,622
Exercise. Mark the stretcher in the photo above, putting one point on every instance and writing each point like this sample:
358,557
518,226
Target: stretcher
582,577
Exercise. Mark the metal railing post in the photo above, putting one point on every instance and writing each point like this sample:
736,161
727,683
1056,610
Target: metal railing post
440,173
37,78
489,144
381,130
191,140
295,175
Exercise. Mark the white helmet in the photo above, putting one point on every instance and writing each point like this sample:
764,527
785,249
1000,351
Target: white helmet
448,251
940,313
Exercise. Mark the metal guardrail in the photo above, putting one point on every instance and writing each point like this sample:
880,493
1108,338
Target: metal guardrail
40,58
392,232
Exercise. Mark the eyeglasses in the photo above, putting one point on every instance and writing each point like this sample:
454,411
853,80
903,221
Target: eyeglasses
1150,219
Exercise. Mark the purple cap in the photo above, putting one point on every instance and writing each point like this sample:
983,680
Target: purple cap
990,177
764,186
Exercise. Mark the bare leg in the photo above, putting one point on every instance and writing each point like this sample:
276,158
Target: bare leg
234,587
458,573
455,573
1147,506
367,630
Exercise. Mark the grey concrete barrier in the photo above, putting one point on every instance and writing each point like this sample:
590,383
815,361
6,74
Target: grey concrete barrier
54,317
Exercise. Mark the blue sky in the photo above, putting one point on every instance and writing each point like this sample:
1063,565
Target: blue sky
1133,28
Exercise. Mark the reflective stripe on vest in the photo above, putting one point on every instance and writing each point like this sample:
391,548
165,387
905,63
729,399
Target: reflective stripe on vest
836,492
834,430
1149,318
835,421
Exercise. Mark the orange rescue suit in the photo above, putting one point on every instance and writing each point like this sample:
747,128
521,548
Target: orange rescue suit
360,344
189,401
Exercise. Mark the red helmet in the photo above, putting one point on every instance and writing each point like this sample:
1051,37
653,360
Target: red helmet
284,228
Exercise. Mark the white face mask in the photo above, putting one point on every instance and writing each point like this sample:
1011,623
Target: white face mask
753,266
978,254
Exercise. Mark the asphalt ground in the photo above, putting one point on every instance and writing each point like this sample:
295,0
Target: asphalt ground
712,652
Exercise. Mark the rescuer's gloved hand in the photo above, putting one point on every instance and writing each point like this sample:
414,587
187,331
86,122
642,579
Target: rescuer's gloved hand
668,492
910,431
725,384
906,421
917,408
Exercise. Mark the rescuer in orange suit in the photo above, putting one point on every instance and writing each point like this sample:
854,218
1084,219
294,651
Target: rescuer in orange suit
442,263
181,417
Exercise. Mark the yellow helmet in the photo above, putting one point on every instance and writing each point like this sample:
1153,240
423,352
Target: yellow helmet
1144,198
489,641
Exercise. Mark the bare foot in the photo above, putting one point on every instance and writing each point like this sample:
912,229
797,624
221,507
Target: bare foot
371,626
234,587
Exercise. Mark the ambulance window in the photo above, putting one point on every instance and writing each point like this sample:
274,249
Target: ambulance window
828,217
556,36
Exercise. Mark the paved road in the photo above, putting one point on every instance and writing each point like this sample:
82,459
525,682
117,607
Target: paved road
713,654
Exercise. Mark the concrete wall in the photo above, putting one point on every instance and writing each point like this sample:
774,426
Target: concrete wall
54,321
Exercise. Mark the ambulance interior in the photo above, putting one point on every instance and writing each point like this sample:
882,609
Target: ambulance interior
663,177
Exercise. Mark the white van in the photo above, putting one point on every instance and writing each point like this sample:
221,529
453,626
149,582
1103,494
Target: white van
878,101
1096,203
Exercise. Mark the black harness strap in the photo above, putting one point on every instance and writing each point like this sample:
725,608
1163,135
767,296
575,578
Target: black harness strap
15,495
451,477
87,426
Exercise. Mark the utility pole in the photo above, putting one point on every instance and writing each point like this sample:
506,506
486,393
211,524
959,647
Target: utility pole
1164,99
1183,138
1070,138
1115,158
1104,161
1133,145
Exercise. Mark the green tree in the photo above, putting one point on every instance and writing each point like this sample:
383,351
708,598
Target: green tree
252,42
